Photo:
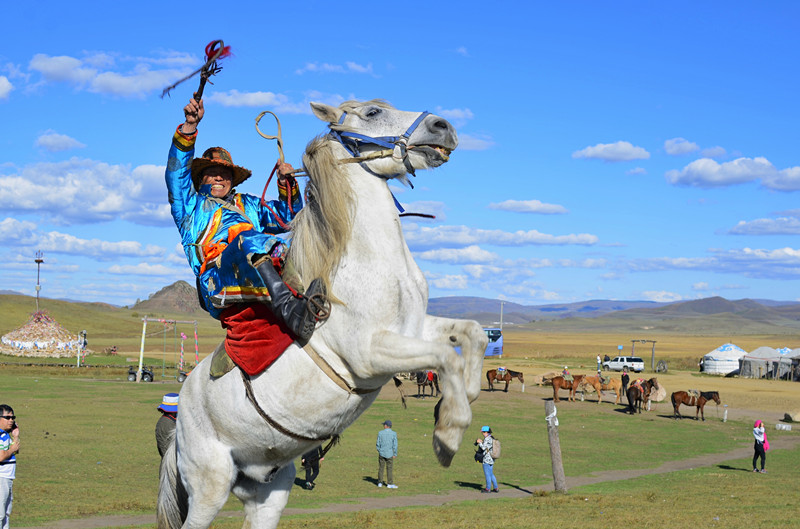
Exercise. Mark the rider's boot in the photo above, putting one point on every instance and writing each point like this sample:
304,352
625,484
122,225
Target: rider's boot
293,309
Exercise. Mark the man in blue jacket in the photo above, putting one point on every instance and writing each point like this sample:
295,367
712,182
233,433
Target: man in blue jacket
230,238
387,451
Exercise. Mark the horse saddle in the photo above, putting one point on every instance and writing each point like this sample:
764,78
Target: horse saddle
694,393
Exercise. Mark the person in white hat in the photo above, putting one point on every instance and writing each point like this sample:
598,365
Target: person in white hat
165,427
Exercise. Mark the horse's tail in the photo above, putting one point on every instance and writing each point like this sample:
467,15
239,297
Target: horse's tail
173,503
399,385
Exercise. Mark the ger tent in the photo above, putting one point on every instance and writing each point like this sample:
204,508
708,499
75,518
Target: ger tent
767,362
724,360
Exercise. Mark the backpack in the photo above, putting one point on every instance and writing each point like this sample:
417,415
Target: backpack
495,449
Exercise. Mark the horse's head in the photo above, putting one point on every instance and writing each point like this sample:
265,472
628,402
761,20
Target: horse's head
715,396
402,141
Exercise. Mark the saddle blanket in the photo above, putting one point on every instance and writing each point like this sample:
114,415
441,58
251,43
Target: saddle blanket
255,336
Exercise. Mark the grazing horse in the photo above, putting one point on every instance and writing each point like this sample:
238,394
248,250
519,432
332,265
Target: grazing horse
426,379
638,394
240,433
506,375
683,397
559,383
613,384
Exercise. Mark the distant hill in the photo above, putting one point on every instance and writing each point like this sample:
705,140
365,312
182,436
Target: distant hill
713,316
177,297
487,311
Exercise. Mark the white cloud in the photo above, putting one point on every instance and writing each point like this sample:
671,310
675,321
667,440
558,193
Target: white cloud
349,67
613,152
637,171
456,114
427,207
469,142
447,282
680,146
462,50
470,254
777,226
79,191
701,286
713,152
421,237
529,206
707,173
660,296
142,269
52,141
14,232
62,68
781,263
5,87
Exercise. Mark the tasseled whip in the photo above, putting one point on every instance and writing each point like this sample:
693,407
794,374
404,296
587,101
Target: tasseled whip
215,50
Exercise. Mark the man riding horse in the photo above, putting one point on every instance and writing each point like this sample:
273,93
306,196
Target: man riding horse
230,239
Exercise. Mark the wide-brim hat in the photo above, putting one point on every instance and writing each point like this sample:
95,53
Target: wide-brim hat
169,403
219,157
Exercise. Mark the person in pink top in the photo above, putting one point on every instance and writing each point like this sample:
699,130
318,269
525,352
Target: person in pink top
760,449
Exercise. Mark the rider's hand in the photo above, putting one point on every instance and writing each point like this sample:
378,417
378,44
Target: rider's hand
284,170
193,113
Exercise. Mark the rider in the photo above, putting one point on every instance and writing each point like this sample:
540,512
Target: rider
566,374
230,238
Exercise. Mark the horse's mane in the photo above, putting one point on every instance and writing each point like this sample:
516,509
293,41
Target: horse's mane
513,373
709,395
322,229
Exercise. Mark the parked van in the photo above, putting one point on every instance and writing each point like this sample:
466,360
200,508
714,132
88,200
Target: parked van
633,363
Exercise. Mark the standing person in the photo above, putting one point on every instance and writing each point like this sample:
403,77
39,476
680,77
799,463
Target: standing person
310,461
486,443
165,427
625,380
9,446
230,238
387,452
599,363
760,436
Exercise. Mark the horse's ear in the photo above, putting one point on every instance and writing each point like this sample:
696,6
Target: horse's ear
326,112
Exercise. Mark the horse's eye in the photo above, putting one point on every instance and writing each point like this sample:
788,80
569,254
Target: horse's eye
371,113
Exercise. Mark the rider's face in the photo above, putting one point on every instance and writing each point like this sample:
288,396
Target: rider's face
220,179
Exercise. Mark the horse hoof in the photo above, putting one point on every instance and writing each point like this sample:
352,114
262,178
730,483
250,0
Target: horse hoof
443,453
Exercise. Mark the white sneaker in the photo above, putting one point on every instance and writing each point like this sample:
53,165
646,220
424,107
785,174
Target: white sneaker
380,484
391,486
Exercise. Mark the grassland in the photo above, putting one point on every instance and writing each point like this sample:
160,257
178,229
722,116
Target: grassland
88,444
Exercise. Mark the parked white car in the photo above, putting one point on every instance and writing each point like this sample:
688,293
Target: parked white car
633,363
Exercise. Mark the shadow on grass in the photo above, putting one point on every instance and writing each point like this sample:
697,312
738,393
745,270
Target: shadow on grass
728,467
370,479
469,485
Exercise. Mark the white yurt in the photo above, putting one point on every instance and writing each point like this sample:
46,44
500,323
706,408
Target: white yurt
724,360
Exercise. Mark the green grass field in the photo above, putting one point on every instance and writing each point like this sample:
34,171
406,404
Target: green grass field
88,449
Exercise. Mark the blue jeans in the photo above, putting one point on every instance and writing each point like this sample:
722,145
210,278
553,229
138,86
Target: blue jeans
488,473
6,499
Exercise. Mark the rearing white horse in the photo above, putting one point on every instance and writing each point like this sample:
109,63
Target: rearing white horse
350,235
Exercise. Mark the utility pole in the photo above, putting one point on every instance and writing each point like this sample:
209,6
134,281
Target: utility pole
39,260
501,315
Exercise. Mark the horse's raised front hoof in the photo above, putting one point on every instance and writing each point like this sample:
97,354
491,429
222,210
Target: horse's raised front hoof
443,453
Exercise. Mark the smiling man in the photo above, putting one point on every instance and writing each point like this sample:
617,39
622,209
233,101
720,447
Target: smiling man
231,239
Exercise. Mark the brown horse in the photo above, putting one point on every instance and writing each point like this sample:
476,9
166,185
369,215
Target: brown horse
495,375
613,384
682,397
559,383
638,394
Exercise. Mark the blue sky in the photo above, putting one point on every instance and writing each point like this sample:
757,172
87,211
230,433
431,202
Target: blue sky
624,150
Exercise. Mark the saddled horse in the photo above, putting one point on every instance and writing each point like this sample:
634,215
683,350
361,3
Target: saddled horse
239,433
683,397
637,394
506,375
613,384
560,383
424,380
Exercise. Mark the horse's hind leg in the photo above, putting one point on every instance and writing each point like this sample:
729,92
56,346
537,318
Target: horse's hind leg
264,502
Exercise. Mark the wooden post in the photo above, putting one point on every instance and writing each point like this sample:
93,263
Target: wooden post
559,481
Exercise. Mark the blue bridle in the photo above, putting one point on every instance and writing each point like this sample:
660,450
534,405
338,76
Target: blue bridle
351,141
